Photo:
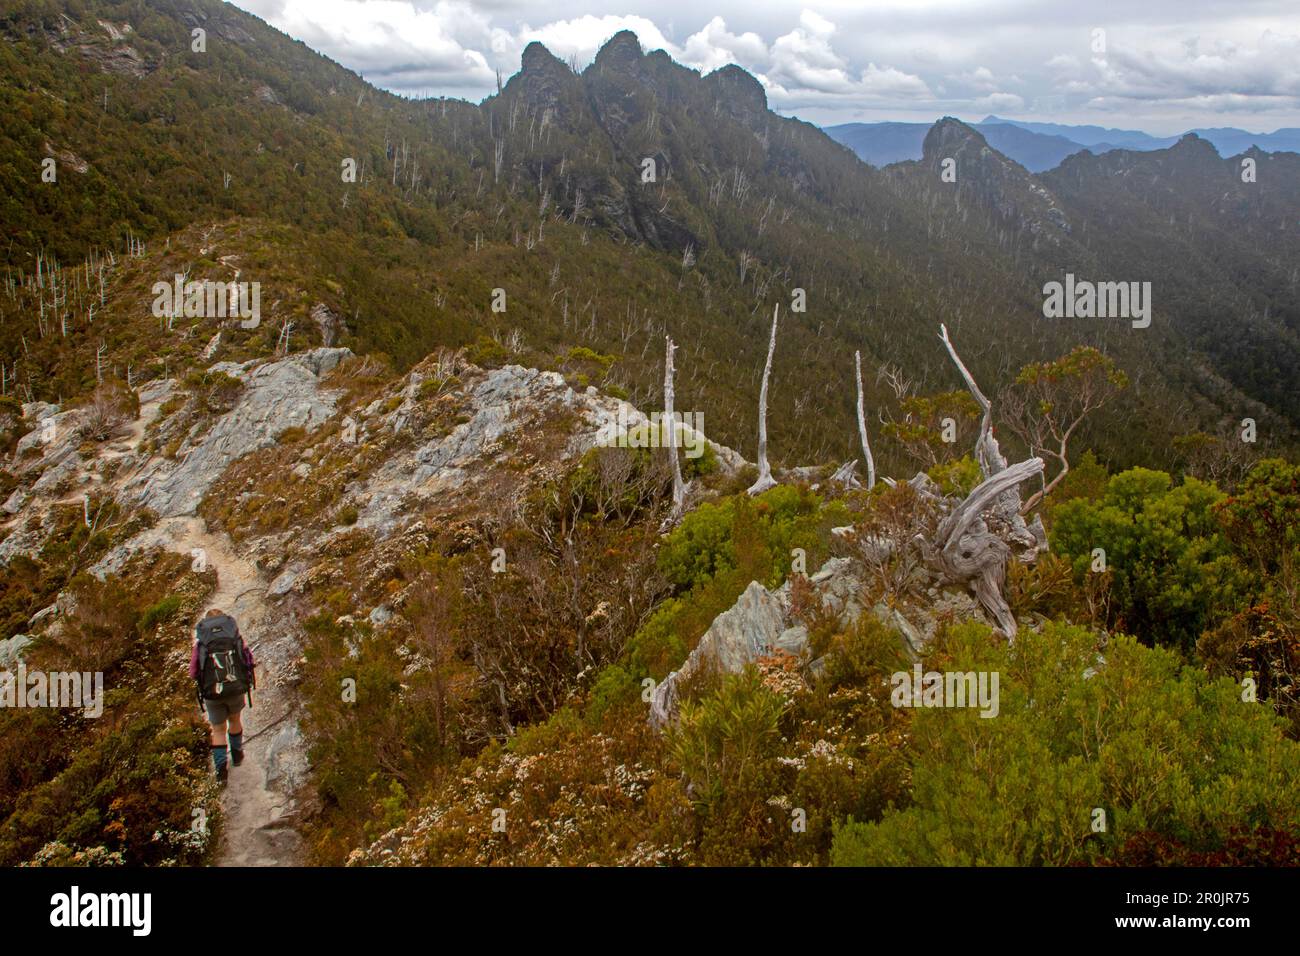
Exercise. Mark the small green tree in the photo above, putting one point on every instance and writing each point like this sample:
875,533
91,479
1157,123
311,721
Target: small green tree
928,428
1050,400
1171,570
1262,522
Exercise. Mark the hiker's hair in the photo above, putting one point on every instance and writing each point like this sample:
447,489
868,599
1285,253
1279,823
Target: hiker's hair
215,612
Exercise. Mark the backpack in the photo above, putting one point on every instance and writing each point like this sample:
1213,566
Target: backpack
223,671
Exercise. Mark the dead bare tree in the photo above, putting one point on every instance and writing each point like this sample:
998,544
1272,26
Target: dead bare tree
970,551
108,413
765,479
990,458
679,489
975,540
862,424
282,343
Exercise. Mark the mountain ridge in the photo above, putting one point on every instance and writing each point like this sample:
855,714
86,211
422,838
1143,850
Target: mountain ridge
1041,146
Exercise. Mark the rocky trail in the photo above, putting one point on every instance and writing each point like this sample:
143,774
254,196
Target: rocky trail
258,816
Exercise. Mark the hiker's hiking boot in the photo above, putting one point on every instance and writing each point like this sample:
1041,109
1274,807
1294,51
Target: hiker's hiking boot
236,757
223,773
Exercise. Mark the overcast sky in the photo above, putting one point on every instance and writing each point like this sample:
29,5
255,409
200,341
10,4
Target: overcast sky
1159,65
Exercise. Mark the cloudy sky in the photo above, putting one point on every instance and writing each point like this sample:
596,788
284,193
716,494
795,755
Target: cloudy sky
1159,65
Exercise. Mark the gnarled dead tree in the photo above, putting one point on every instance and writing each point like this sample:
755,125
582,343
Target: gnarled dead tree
765,479
977,538
845,475
972,546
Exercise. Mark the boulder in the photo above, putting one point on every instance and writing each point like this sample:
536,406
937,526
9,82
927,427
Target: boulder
11,651
761,624
737,637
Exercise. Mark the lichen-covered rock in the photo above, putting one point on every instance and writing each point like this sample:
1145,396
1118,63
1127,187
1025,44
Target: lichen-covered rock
276,396
11,651
750,629
505,404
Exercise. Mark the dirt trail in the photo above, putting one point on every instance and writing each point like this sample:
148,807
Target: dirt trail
258,826
258,829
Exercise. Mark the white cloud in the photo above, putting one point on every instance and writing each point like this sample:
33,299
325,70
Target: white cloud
392,43
715,46
887,81
1270,67
584,36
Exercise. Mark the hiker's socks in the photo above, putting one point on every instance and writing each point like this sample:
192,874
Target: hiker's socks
236,748
219,758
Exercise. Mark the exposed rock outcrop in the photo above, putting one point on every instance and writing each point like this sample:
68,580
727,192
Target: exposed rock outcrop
759,624
763,623
510,404
276,396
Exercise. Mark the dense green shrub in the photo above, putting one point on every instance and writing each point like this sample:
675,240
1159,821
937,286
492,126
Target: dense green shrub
614,688
1133,732
722,741
1262,520
784,518
1171,570
957,477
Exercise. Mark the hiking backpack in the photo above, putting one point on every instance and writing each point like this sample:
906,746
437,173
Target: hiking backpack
223,671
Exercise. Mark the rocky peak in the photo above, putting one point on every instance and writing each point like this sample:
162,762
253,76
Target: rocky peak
621,52
1008,190
542,79
539,61
948,136
1193,148
739,93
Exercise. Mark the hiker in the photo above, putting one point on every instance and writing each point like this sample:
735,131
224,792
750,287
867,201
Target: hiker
222,666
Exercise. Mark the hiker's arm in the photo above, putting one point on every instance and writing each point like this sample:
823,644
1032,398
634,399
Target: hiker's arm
248,651
194,673
248,657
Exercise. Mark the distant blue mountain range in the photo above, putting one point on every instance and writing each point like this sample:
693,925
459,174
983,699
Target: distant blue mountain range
1041,146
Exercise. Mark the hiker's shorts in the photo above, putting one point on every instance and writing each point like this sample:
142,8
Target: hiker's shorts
222,708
